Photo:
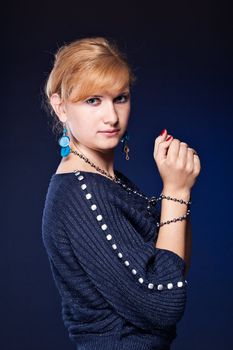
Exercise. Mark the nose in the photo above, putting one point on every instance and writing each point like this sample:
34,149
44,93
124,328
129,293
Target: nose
111,115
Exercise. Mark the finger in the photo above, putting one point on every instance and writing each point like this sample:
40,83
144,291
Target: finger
197,164
173,150
194,151
158,140
163,148
183,151
190,160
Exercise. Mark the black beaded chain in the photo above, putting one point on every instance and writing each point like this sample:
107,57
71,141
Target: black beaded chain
152,201
180,218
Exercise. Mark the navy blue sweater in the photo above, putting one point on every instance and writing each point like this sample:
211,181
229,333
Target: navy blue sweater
118,291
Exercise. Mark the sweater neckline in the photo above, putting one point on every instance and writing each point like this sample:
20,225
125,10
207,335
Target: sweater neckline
117,172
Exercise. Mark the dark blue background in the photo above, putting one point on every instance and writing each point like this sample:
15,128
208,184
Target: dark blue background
182,54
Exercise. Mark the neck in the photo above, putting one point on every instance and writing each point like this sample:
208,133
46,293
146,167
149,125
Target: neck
102,159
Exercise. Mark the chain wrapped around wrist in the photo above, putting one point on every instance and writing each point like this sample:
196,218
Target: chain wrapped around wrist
180,218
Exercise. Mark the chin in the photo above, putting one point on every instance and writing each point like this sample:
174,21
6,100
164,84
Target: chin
110,144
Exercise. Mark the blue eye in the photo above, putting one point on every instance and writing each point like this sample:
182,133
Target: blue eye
125,96
90,99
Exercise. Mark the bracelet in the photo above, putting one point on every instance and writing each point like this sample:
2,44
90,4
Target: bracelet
162,196
153,200
180,218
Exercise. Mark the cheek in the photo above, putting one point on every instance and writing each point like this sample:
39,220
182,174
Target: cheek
124,113
125,110
81,128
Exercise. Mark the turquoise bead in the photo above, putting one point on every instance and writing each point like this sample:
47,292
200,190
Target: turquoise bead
64,141
65,151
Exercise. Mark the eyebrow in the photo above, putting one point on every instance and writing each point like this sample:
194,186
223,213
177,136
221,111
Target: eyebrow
123,92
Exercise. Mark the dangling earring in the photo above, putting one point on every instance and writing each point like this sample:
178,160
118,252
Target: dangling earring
125,146
64,142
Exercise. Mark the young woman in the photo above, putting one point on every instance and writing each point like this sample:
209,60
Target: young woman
118,262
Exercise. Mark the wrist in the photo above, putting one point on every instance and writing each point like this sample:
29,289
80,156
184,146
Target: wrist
184,194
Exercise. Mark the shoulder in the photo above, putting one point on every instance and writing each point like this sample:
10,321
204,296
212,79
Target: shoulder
58,185
76,186
77,190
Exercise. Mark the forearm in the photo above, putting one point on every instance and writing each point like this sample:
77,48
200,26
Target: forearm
188,248
174,236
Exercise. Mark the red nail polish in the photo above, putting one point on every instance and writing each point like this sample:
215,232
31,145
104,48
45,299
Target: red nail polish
162,132
169,138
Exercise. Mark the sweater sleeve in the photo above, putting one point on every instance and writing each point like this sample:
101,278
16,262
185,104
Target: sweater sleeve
142,283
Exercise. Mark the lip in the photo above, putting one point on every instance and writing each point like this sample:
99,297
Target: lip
110,134
110,131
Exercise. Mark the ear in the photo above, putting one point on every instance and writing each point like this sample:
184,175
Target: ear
58,107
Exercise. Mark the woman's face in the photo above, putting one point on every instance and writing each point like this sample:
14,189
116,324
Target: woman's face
87,119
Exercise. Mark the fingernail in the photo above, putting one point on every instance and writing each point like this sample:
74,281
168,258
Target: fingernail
162,132
169,138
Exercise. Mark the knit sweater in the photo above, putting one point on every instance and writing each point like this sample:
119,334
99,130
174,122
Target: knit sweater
118,291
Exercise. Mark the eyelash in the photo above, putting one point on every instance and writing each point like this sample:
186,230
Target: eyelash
97,98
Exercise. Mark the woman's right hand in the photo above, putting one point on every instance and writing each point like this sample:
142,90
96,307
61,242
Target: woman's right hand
178,164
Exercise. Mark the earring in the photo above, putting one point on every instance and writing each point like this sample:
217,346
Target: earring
64,142
125,146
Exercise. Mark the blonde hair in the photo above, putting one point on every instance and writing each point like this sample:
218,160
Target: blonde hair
84,67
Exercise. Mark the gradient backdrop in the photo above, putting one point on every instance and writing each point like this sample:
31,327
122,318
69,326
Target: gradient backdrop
182,55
